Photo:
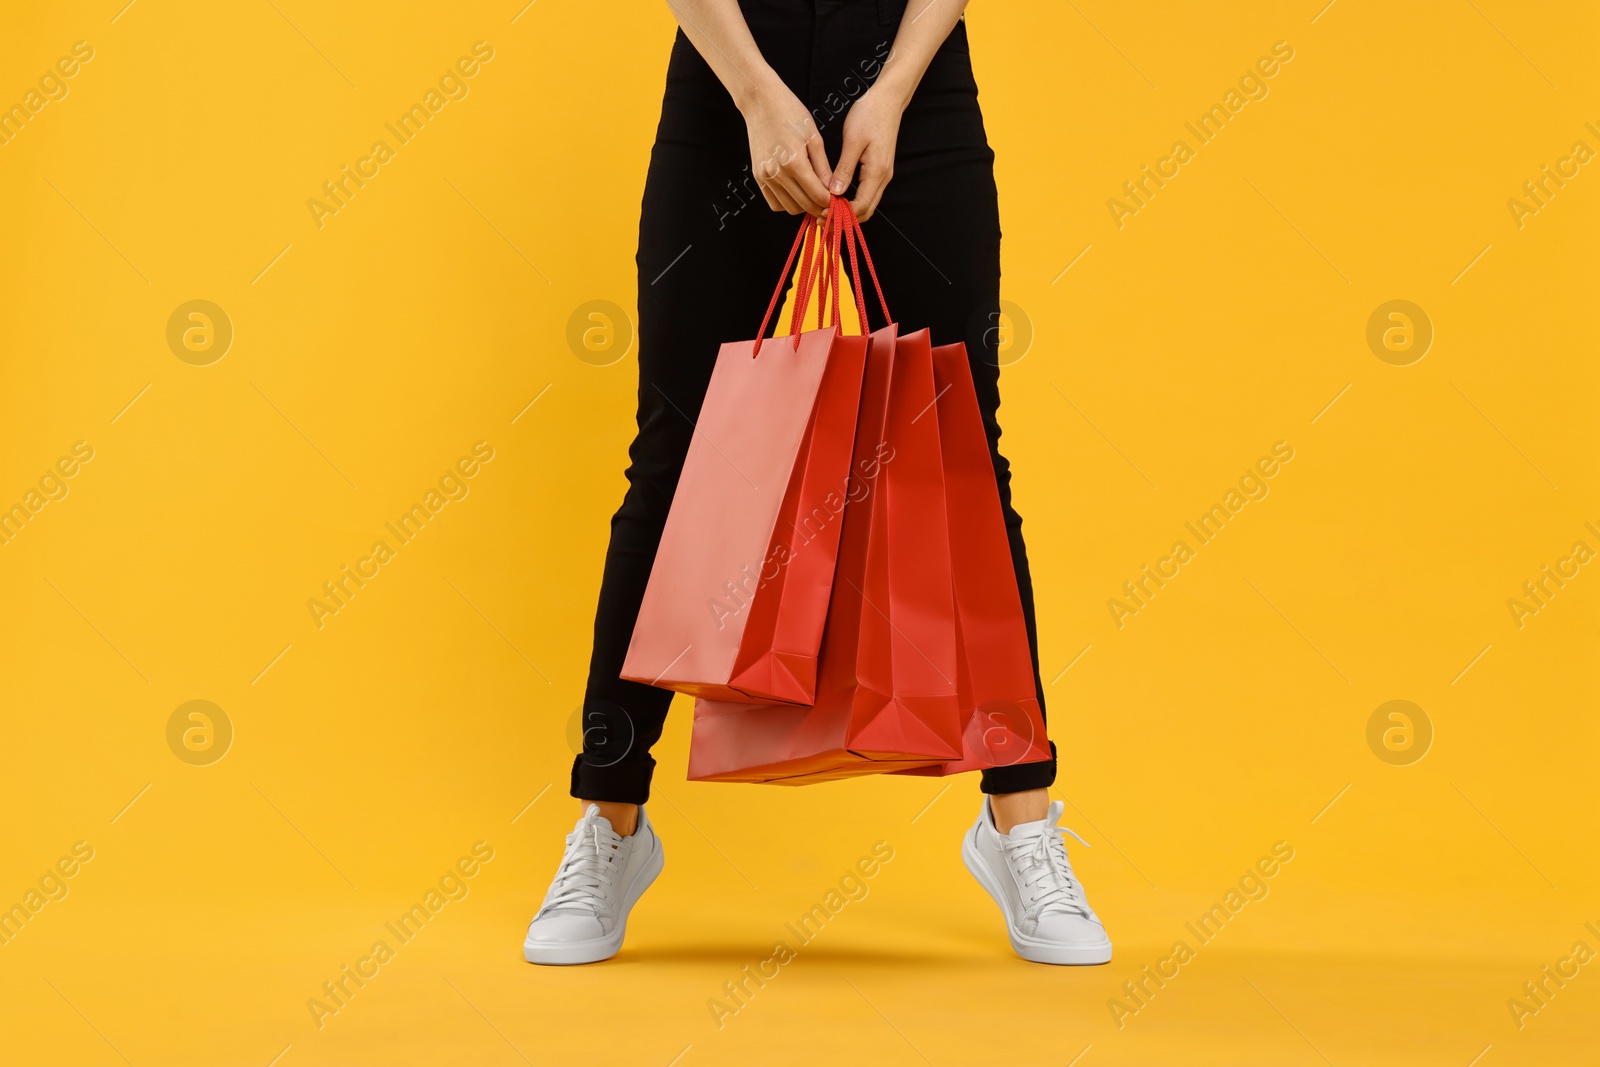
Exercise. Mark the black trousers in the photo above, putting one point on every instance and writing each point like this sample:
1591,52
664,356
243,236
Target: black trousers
710,252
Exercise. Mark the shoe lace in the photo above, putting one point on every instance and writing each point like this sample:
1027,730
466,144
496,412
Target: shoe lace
585,876
1045,873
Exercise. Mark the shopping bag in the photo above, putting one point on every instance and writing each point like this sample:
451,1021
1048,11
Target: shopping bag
996,685
738,593
887,687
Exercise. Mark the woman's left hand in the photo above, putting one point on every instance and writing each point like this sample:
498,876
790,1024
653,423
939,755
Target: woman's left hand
870,132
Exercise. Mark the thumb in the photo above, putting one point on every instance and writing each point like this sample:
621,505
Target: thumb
819,157
849,156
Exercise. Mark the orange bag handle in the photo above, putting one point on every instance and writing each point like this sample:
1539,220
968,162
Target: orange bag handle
818,244
819,280
814,274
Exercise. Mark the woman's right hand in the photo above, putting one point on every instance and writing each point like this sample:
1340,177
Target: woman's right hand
786,153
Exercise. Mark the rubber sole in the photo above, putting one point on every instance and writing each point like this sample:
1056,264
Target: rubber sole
1029,948
572,953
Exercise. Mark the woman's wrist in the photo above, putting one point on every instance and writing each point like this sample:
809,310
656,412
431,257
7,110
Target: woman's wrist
896,84
754,92
893,85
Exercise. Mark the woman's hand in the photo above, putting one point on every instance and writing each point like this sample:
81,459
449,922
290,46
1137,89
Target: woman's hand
870,132
786,153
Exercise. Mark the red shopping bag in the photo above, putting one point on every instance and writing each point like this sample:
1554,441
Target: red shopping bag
887,691
997,690
738,594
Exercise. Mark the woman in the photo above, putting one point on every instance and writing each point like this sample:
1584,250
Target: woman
760,95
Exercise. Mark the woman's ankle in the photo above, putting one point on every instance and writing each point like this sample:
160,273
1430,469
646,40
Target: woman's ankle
1009,809
624,818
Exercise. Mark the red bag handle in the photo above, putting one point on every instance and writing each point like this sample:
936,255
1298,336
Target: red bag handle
818,244
853,234
819,280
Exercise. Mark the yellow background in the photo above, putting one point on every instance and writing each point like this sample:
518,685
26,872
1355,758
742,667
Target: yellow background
426,715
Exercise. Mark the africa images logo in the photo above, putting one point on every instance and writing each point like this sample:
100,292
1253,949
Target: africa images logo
453,485
452,85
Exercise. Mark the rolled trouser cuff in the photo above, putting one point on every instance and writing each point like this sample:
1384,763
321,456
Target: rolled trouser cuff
1021,776
624,782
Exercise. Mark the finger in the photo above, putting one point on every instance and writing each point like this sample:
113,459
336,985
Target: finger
763,170
766,194
802,181
875,174
845,172
819,158
792,186
785,200
771,167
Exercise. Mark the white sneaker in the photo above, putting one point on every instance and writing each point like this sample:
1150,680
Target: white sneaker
602,875
1028,874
